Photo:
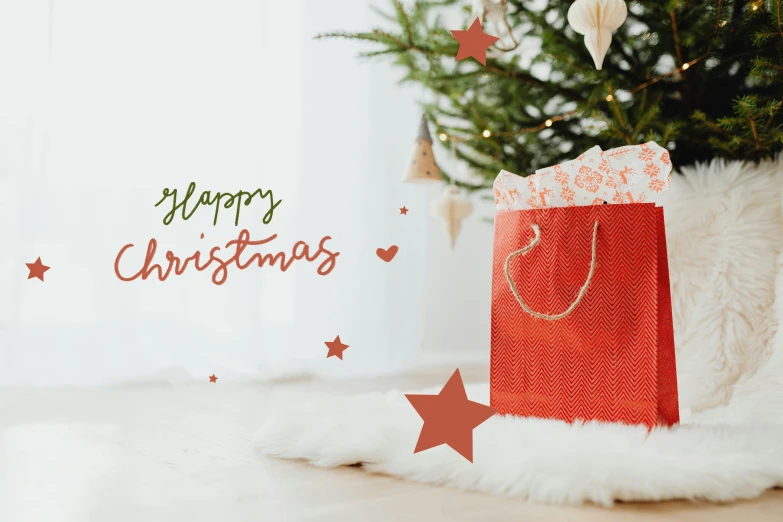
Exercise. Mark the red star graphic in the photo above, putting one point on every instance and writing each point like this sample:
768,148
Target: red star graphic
449,418
212,378
37,269
336,348
474,42
403,210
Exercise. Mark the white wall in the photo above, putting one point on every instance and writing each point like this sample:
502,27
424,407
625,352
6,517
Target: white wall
106,102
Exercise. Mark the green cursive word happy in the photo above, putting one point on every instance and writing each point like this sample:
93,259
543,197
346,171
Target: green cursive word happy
206,198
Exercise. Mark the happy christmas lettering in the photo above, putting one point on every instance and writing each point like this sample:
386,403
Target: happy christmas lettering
187,206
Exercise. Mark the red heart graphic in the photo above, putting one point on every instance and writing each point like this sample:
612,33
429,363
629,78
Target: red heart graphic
387,254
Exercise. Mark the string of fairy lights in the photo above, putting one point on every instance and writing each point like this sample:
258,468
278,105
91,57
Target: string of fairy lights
610,97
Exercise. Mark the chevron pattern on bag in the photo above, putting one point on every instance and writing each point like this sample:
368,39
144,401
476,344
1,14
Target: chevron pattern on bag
612,358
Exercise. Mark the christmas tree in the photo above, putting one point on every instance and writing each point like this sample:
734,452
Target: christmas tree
702,78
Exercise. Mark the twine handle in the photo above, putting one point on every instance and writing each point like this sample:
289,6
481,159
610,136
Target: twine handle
528,248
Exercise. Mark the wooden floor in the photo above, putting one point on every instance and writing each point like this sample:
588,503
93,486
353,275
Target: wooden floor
183,454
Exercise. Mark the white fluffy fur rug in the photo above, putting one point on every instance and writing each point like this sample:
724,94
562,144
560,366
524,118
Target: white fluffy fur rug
725,235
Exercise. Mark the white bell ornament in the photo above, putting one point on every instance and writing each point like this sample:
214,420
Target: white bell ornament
451,207
597,20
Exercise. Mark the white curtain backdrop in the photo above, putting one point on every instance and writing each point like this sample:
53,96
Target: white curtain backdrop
104,103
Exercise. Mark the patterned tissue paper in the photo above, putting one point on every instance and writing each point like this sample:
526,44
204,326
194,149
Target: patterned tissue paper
630,174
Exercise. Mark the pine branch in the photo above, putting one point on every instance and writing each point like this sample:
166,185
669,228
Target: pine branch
675,35
744,104
402,17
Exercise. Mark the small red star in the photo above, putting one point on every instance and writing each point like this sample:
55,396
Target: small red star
403,210
37,269
212,378
336,348
474,42
449,418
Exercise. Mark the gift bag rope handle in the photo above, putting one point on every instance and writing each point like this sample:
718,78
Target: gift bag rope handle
528,248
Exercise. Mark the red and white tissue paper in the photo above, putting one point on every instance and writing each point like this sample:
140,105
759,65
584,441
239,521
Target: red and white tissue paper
630,174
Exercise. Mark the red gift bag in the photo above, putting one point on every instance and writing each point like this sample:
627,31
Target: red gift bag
581,315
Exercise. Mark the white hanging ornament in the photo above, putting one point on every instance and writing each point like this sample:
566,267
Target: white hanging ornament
489,11
596,20
492,14
421,166
451,207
